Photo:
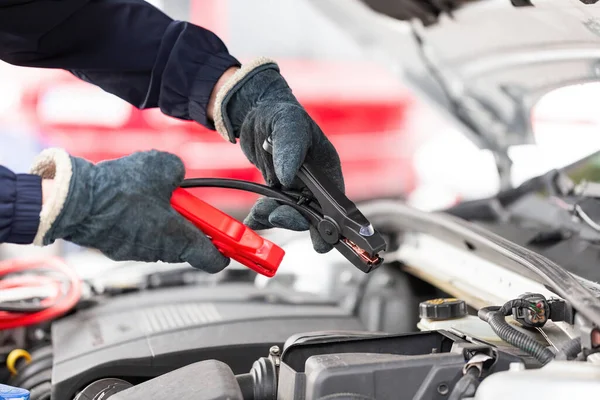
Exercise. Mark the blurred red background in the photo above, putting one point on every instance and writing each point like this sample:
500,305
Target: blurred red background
360,106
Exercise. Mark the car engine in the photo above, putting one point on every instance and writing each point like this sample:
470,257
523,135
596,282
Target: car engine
230,339
137,325
336,365
141,336
400,332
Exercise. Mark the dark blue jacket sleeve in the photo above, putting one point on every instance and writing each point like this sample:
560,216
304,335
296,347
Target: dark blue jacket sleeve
20,206
126,47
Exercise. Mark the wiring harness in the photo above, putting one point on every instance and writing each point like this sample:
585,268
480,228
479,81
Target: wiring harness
496,317
36,290
531,310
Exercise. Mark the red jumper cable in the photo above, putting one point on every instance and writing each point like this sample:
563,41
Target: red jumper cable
234,239
54,306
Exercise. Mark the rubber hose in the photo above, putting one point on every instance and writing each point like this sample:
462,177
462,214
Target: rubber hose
37,366
23,367
570,350
38,379
466,386
246,383
497,321
41,392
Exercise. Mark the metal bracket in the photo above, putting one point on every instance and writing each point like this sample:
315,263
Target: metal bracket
477,361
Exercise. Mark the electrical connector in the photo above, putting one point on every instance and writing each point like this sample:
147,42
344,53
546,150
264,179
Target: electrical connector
536,314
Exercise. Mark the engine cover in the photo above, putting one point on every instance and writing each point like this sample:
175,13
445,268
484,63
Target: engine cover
140,336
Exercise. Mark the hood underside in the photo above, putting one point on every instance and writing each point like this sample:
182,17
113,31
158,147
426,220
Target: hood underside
488,62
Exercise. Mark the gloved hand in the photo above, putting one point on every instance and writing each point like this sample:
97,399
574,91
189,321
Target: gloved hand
256,103
122,208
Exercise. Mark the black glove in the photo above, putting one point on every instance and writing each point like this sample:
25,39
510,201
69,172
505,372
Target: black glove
257,103
122,208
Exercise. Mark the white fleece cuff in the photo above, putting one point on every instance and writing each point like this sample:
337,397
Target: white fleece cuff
238,76
52,164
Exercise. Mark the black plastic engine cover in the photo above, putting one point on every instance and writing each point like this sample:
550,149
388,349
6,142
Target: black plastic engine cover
139,336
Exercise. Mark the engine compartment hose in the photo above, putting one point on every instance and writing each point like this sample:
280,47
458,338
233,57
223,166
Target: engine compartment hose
496,318
41,361
261,382
466,386
246,382
570,350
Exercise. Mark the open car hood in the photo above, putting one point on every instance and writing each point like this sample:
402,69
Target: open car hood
485,67
487,63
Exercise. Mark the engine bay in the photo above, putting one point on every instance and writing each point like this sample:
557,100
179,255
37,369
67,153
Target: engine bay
132,332
236,341
176,333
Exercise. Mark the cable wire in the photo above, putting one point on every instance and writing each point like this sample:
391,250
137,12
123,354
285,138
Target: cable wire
292,199
56,306
30,288
496,318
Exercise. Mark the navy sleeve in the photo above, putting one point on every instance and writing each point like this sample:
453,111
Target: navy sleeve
20,206
127,47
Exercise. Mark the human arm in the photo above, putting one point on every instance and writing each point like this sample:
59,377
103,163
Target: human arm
120,207
20,206
127,47
131,49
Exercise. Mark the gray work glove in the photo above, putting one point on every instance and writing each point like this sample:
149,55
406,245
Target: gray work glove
257,103
122,208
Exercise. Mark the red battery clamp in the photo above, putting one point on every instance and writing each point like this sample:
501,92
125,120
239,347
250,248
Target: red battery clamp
234,239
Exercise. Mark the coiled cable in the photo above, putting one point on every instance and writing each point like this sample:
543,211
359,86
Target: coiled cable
64,280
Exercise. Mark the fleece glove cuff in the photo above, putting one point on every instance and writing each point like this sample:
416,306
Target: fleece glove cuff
52,164
227,122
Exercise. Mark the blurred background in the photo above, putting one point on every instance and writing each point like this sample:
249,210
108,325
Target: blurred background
392,145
